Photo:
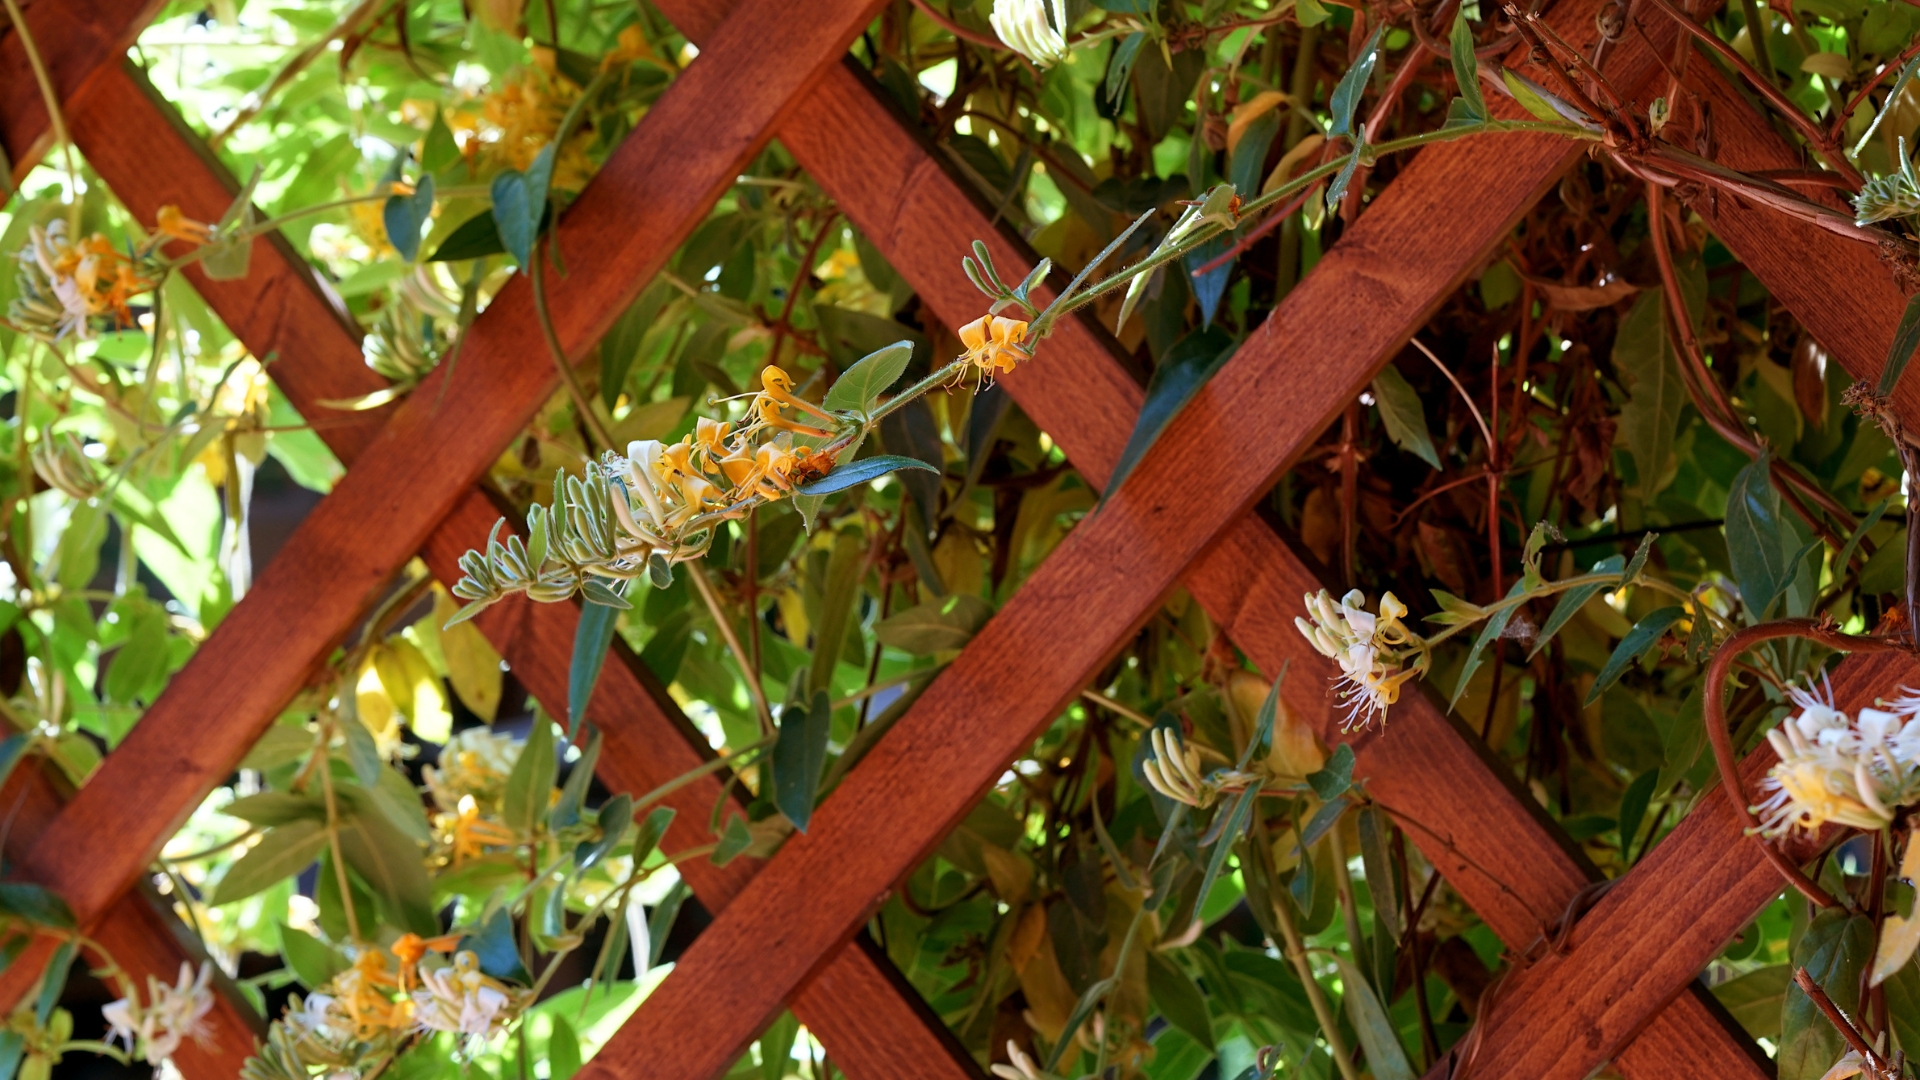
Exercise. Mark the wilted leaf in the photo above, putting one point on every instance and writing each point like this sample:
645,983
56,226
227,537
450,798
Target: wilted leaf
936,625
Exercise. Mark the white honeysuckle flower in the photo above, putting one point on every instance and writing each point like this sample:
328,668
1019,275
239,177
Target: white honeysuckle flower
643,462
1023,26
172,1015
1366,646
1851,770
459,998
1022,1067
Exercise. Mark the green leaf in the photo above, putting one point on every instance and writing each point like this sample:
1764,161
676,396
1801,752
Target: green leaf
1633,807
736,839
1573,600
1906,338
391,865
531,780
591,640
280,854
798,757
563,1050
1530,96
1336,776
1386,1058
1837,945
1466,66
1639,641
1404,416
1247,168
270,808
615,815
475,238
53,982
1173,992
1311,12
839,592
1760,543
859,387
1353,85
519,205
1183,371
312,961
492,943
1120,68
861,472
404,215
647,837
1263,719
935,626
362,753
1496,625
1756,999
1324,819
566,810
439,149
1234,824
1645,360
1337,190
1375,836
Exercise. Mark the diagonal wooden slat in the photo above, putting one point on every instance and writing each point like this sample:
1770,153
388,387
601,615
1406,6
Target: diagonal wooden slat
131,138
681,157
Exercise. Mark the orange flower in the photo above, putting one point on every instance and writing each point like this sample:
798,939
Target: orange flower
172,222
993,343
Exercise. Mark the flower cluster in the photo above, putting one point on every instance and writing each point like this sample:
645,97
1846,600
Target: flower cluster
519,118
1834,768
467,788
71,288
659,501
383,997
1175,771
171,1016
1367,647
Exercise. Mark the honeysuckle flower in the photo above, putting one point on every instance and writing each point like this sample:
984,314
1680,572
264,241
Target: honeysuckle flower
1856,771
1366,646
365,994
474,765
1022,1067
459,998
172,1015
469,835
643,458
1023,26
993,342
1174,770
171,222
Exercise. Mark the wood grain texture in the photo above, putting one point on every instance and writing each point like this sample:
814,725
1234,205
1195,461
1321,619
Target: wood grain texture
79,40
1563,1017
858,1009
681,157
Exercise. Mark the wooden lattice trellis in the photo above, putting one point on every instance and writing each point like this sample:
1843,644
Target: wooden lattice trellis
1618,982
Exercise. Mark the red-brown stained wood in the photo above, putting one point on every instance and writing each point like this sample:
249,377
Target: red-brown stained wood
1564,1016
869,1021
681,157
139,934
78,40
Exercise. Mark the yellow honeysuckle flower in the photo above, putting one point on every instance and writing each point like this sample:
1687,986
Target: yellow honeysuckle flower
172,222
993,343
